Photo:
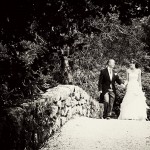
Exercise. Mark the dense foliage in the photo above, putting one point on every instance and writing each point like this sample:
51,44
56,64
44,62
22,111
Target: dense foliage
34,35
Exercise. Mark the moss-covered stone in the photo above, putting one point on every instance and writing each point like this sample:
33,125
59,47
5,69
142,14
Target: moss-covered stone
31,124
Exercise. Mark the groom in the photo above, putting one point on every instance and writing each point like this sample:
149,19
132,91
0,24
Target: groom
106,86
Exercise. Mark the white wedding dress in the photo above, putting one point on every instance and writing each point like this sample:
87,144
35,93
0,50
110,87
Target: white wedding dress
134,105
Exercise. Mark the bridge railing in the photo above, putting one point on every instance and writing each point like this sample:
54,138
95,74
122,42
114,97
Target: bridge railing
31,124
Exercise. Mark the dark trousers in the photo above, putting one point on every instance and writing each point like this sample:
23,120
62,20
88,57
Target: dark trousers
109,99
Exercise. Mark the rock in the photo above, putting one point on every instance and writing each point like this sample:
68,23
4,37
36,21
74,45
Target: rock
53,95
82,101
70,88
84,95
64,111
84,112
74,110
79,110
63,120
63,104
68,101
47,97
77,96
88,113
57,124
54,110
74,103
69,113
59,104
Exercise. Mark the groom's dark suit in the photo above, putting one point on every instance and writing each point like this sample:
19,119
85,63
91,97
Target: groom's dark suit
107,86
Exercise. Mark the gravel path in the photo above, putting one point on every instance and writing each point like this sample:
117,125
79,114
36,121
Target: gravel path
83,133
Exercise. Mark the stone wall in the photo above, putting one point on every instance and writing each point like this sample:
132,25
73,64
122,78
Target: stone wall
27,127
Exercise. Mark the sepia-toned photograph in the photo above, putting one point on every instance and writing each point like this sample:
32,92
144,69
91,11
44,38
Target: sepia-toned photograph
75,75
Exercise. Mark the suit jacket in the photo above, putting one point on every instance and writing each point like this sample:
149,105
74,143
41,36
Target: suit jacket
105,82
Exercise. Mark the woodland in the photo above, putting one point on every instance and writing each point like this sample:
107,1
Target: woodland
36,34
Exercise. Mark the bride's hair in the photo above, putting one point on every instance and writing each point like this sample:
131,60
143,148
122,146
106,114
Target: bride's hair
133,61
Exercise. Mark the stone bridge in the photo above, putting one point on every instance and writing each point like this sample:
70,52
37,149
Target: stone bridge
29,126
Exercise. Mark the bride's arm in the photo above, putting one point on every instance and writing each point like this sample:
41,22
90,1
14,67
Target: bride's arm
139,78
127,78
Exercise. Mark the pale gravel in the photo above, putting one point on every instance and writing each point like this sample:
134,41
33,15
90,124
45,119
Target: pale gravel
83,133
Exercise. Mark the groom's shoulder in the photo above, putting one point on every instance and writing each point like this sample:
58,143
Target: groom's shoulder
103,69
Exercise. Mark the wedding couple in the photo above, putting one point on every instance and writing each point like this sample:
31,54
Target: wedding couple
133,106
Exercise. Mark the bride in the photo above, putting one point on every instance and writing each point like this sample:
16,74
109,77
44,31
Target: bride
133,106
